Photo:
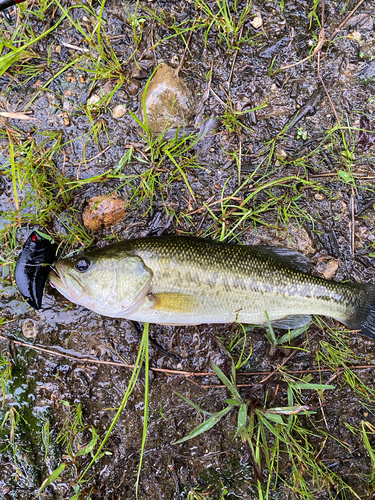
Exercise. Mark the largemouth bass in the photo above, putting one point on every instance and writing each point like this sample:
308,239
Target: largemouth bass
188,281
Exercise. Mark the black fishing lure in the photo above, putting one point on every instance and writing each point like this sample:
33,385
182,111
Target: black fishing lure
33,266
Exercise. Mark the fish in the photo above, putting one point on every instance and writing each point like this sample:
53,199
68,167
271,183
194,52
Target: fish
33,267
178,280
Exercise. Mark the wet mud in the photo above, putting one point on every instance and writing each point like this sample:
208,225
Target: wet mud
295,184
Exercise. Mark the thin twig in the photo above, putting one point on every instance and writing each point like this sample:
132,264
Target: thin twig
94,157
278,368
345,20
322,40
322,410
188,374
235,54
326,91
215,203
217,97
234,61
186,48
101,362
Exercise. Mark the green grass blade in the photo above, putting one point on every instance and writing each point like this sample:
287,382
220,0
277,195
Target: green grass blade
205,426
292,334
198,408
129,390
145,414
226,382
55,474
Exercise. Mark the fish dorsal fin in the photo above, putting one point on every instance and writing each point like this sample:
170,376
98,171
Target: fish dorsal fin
290,322
286,256
174,302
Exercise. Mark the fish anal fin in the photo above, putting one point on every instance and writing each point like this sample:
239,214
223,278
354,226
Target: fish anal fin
286,256
174,302
291,322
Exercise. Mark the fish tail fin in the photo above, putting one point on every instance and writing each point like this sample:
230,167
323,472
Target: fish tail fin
364,315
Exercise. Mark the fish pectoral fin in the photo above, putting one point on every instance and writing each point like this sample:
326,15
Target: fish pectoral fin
174,302
290,322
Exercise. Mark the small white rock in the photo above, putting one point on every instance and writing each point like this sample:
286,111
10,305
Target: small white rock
355,35
119,111
94,99
281,153
257,22
29,329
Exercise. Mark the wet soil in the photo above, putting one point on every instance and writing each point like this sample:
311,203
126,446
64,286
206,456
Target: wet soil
332,210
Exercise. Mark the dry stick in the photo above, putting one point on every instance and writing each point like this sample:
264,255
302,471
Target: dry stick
278,368
205,96
345,20
217,97
322,410
215,203
186,48
234,58
337,371
101,362
322,38
322,17
322,41
193,374
326,91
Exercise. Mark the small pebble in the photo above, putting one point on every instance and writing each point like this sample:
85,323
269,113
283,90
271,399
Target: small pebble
94,99
257,22
281,153
319,196
133,87
119,111
106,89
29,329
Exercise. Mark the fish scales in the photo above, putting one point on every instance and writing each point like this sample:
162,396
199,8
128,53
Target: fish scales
234,283
185,280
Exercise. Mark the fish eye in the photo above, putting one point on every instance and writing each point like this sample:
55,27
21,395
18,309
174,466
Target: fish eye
82,265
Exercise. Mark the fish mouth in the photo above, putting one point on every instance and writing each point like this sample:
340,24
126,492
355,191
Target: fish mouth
65,282
53,268
55,278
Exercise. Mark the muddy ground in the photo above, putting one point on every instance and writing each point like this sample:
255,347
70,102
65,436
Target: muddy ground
323,206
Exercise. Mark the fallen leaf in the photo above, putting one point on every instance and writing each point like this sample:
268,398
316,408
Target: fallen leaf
366,137
16,116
